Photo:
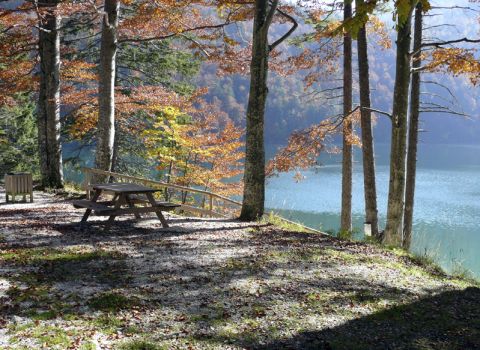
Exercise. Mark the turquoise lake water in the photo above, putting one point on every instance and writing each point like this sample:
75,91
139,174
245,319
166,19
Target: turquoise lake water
447,207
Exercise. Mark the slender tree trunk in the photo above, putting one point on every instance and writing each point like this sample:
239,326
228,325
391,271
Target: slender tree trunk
106,90
396,191
50,148
254,177
368,152
115,156
346,214
413,128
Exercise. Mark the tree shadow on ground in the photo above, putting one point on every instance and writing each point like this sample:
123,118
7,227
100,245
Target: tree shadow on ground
205,280
449,320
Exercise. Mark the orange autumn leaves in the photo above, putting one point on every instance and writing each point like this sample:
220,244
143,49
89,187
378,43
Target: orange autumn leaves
304,146
456,61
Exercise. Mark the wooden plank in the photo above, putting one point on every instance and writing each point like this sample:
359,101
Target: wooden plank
195,210
18,184
79,203
154,206
167,205
138,199
96,206
119,201
127,211
124,188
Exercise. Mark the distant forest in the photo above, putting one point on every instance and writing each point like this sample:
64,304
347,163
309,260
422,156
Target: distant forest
290,107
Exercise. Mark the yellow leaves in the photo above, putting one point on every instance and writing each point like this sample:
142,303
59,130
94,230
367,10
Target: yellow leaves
456,61
84,122
201,152
426,6
403,10
377,27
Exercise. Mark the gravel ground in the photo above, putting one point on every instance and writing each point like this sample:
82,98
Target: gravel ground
215,284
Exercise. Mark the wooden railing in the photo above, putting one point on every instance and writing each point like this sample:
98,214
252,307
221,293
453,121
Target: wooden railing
198,202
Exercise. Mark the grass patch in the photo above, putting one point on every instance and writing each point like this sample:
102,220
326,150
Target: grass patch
49,337
343,256
282,223
74,264
304,254
38,255
251,264
112,302
345,235
141,345
108,323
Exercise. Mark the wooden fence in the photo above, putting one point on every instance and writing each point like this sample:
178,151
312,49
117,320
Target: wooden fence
191,200
195,201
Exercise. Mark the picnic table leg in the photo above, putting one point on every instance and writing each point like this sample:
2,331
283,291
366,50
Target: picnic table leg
159,213
131,205
118,204
89,211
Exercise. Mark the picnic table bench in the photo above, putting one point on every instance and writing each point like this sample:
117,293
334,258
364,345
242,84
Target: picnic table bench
124,194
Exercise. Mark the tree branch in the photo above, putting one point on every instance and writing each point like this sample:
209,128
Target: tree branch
287,34
449,42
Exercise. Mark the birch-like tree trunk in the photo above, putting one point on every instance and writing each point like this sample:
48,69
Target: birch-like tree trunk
396,191
106,89
413,128
346,213
368,152
50,148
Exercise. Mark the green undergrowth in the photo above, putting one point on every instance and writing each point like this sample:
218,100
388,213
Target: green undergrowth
282,223
408,264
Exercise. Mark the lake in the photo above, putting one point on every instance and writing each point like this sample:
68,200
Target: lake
447,206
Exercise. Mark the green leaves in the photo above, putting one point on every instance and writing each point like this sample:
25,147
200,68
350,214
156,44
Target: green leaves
18,136
404,9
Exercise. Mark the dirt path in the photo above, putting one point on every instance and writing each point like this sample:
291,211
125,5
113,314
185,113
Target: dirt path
215,284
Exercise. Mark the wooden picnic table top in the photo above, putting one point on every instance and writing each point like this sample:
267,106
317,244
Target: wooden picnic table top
125,188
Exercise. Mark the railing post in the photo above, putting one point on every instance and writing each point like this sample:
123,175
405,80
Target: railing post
86,181
210,197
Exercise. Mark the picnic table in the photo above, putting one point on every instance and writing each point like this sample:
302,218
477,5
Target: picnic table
124,194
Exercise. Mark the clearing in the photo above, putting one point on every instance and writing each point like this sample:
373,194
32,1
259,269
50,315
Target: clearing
215,284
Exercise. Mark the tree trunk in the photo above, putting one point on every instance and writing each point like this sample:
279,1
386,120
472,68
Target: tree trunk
396,191
368,152
413,129
106,89
254,177
50,148
346,214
